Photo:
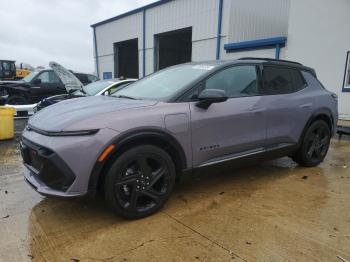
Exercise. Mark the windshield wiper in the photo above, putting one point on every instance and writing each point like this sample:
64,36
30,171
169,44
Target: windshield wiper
127,97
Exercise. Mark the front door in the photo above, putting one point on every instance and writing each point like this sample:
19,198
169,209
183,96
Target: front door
234,127
47,84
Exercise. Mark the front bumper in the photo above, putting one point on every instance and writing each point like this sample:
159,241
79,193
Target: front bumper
61,166
46,168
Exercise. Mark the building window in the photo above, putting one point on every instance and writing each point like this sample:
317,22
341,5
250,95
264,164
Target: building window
346,85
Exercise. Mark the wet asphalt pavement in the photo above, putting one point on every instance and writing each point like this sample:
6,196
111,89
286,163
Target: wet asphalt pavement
275,211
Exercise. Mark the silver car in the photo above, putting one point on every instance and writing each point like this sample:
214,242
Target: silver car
134,144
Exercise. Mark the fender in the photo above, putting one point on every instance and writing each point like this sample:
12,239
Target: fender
319,113
124,139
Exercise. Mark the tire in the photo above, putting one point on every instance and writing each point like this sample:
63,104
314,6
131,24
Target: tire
315,145
17,100
139,181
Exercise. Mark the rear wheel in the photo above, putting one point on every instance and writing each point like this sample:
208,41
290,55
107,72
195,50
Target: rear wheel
315,145
16,100
140,181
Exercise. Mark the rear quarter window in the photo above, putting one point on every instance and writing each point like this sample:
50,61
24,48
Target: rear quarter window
312,80
281,80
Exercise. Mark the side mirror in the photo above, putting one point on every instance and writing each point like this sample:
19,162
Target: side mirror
211,96
37,81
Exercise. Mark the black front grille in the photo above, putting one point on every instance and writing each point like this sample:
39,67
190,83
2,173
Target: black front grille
47,166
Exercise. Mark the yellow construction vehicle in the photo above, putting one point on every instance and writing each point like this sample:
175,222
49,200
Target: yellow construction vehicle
9,71
22,71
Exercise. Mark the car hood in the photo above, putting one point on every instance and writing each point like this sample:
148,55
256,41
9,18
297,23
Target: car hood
69,80
63,115
55,99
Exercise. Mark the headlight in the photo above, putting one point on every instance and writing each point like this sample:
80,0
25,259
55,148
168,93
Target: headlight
63,133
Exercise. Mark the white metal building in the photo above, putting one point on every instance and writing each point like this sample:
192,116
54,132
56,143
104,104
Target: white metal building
168,32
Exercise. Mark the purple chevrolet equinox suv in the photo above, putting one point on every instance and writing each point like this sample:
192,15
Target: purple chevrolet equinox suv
133,145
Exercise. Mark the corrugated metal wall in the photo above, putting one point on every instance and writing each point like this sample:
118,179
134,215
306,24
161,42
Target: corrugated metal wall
246,20
201,15
254,19
242,20
126,28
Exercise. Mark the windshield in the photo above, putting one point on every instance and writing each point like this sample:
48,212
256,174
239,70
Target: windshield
164,84
96,87
29,77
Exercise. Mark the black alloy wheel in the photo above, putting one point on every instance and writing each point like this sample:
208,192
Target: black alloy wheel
140,181
315,145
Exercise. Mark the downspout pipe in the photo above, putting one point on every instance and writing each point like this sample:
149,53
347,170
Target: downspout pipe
144,43
218,38
96,52
278,51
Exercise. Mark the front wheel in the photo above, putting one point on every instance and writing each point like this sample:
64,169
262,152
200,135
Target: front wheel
140,181
315,145
16,100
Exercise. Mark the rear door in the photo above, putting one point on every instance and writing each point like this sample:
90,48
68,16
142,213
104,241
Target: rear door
288,104
233,127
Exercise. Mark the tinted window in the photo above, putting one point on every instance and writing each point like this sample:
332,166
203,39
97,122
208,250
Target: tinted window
236,81
83,78
279,80
92,78
298,80
49,77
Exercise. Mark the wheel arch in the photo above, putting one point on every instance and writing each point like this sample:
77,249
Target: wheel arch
321,114
153,137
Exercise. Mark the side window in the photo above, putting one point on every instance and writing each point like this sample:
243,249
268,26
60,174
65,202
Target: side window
44,77
82,78
312,80
298,80
53,78
91,78
49,77
117,87
236,81
280,80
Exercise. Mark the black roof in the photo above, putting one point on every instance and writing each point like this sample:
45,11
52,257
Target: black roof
223,63
270,60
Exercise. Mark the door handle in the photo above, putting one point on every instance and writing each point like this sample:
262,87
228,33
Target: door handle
307,105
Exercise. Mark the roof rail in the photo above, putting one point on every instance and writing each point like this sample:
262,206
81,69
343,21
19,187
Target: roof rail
269,60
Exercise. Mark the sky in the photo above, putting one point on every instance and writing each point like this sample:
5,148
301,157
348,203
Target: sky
39,31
